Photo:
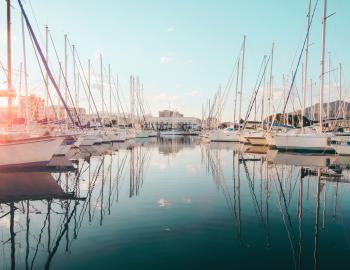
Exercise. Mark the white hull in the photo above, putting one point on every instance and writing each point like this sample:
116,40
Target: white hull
222,136
28,152
304,142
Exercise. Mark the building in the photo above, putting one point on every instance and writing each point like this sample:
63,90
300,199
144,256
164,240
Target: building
55,113
36,107
172,120
168,113
59,113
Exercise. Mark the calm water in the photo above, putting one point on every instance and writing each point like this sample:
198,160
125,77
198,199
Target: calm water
179,204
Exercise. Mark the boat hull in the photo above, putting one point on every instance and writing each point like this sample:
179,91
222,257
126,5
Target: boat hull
313,143
257,140
221,136
35,152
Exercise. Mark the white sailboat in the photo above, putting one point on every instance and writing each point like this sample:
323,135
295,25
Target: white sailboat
229,134
312,140
28,152
224,135
21,150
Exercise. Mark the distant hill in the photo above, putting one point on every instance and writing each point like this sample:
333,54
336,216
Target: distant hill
337,109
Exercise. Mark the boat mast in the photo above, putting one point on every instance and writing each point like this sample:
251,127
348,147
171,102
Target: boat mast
132,101
340,92
241,91
47,74
25,76
75,79
270,83
66,75
329,86
284,98
9,67
306,65
301,120
263,102
313,108
110,91
102,88
324,19
236,94
89,85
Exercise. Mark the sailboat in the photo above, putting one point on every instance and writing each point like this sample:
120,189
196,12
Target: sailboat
229,134
309,140
226,135
21,150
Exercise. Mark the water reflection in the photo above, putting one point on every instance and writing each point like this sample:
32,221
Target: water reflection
286,210
279,178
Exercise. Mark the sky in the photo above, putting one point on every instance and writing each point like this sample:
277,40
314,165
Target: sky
182,50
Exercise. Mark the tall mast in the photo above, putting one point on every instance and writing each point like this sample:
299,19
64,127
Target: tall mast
59,86
132,101
329,86
301,122
340,92
117,105
271,79
47,75
209,115
263,101
236,94
78,90
66,74
25,76
110,89
89,86
306,64
324,20
9,66
241,91
285,116
102,87
75,79
311,101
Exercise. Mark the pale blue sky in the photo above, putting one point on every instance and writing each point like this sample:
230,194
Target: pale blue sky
183,49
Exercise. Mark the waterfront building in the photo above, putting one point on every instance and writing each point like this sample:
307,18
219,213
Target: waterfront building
36,107
172,120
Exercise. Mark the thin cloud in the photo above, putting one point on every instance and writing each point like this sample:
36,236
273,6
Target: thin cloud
170,29
194,93
166,59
